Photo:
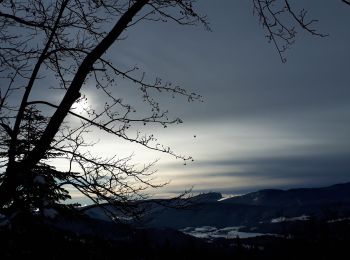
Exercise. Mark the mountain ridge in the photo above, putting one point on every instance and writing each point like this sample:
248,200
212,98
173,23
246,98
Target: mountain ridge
250,210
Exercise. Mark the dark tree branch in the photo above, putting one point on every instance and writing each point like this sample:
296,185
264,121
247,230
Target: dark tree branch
30,85
23,21
301,21
72,93
346,2
272,15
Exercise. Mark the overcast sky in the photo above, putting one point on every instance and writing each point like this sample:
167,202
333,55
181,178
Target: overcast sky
263,123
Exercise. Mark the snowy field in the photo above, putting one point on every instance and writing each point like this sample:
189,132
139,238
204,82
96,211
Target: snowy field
209,232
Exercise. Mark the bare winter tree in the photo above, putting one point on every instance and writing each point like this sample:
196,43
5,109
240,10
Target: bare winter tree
57,48
66,40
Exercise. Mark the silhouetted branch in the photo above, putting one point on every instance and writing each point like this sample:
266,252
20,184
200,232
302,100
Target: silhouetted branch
272,15
346,2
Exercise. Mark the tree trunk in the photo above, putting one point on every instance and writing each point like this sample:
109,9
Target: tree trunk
13,171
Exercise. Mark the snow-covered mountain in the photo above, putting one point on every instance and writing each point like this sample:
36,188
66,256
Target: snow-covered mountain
263,209
339,193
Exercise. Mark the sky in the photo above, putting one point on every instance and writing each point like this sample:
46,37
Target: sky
262,123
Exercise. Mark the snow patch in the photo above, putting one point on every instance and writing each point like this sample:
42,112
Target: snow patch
337,220
228,197
285,219
208,232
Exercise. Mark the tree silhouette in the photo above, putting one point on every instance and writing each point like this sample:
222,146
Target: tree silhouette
64,42
39,189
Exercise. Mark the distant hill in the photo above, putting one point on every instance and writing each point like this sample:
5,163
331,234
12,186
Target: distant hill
339,193
250,210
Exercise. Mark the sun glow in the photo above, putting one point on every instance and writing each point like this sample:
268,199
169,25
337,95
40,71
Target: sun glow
81,106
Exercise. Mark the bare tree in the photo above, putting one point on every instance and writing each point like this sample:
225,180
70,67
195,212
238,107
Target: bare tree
65,42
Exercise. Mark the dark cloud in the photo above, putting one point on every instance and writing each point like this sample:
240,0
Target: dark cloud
251,174
337,165
240,75
243,82
302,106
